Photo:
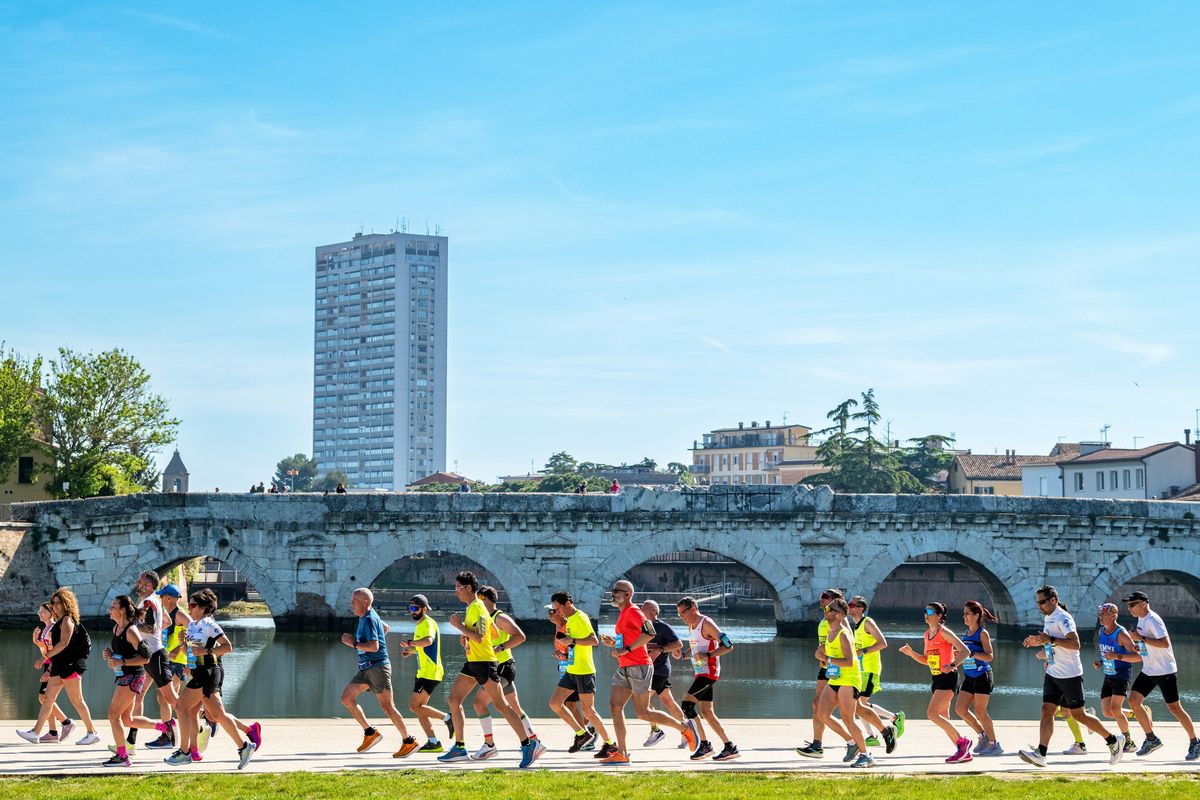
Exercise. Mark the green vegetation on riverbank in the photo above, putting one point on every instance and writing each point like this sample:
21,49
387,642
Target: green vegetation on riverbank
243,608
708,784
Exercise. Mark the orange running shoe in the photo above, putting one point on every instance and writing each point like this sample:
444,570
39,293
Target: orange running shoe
406,748
369,741
689,735
617,757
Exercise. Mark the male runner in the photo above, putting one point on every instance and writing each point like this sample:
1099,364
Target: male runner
374,674
662,648
1063,683
426,644
507,636
158,668
814,749
480,669
564,653
635,673
1117,655
579,676
869,642
1158,671
706,645
175,630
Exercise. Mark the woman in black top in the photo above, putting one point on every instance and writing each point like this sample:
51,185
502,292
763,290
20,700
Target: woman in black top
41,640
67,664
127,655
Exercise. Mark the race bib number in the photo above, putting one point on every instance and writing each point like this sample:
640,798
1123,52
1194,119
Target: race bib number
699,662
934,660
833,671
970,663
1108,666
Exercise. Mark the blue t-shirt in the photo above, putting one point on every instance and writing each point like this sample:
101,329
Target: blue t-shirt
664,635
370,629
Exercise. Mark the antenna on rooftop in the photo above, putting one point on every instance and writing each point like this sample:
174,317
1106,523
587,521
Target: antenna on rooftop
404,224
437,230
427,226
1104,432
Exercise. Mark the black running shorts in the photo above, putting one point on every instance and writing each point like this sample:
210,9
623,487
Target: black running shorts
1144,684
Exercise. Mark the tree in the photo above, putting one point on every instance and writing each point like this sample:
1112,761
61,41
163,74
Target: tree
683,471
98,411
329,481
561,463
928,457
856,461
19,380
305,466
648,463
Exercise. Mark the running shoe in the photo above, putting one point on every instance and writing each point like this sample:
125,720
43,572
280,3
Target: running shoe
703,751
49,738
851,752
431,747
899,723
1193,750
117,761
407,748
67,729
811,750
656,736
178,758
29,736
244,753
580,740
981,745
529,754
690,736
605,751
1032,756
449,720
485,752
872,741
254,734
963,752
1130,746
993,749
1151,744
1076,749
370,740
195,756
456,753
129,748
615,757
683,743
728,753
864,760
90,738
889,739
163,742
1116,750
204,736
593,738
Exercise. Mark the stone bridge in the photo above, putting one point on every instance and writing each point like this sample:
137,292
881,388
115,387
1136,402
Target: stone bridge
305,553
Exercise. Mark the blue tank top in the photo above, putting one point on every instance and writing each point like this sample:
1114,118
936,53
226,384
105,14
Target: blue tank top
971,667
1122,670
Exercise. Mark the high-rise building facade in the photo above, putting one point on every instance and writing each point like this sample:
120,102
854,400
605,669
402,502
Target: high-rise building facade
379,383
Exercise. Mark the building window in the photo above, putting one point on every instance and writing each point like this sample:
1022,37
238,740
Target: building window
1112,480
1125,479
985,490
1043,487
25,469
1141,479
1079,481
1100,480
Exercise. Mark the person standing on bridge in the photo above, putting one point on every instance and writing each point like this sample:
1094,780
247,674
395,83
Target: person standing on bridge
426,644
578,676
1063,682
374,674
635,674
1158,672
662,648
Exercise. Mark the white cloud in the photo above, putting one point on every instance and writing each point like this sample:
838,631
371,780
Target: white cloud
1150,352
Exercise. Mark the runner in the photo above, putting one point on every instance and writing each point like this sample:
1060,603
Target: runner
941,654
579,676
1158,671
175,631
662,648
842,682
869,642
706,646
1063,682
814,748
157,668
978,680
70,646
41,640
209,644
634,675
480,669
426,644
374,674
564,653
507,636
1117,656
127,655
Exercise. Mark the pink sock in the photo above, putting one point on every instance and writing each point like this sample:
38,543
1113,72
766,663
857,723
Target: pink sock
161,727
122,752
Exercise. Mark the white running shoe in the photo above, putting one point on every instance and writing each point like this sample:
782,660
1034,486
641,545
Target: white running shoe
1116,750
67,729
29,736
485,752
656,736
90,738
1076,749
1032,756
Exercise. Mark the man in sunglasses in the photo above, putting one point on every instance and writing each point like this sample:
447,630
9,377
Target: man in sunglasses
815,749
1158,672
426,645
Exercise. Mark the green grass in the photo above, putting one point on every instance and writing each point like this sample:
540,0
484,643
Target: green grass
707,785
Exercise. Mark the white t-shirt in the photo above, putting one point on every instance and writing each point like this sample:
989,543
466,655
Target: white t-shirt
203,633
152,634
1158,660
1067,663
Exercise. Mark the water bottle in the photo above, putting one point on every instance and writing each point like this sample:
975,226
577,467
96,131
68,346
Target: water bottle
1142,648
191,659
117,668
619,642
1048,649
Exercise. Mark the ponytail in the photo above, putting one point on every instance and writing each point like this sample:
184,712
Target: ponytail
977,608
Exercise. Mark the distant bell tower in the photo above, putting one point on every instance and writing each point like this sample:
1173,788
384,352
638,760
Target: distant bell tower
175,476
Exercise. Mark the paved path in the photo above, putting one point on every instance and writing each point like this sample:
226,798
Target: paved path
324,745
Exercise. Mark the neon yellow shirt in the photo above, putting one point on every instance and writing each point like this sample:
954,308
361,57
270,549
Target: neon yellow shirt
500,637
429,658
870,662
841,676
580,627
822,631
479,621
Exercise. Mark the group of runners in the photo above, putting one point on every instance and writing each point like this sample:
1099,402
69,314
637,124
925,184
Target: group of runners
180,652
154,641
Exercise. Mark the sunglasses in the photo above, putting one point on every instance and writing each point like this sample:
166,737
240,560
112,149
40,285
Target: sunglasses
929,612
1043,602
414,609
193,605
620,591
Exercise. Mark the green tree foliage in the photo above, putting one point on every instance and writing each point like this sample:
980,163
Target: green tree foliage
305,466
329,481
100,415
855,459
927,458
684,472
19,380
561,463
648,463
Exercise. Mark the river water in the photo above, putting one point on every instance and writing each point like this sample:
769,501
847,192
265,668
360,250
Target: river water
277,674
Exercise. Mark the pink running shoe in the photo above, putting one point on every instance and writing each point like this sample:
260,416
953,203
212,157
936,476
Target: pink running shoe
962,753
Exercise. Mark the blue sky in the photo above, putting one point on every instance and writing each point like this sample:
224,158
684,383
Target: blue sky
663,218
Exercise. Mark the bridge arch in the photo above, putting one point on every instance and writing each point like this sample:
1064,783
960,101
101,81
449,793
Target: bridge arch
783,581
500,562
1184,565
1003,578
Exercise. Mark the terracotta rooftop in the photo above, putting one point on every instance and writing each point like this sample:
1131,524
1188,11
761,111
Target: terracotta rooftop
441,477
1120,454
998,467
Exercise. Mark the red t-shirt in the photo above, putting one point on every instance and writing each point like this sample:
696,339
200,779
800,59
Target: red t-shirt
629,628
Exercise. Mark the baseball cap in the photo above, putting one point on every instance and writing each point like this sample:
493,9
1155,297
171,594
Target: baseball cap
1135,597
419,600
170,590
